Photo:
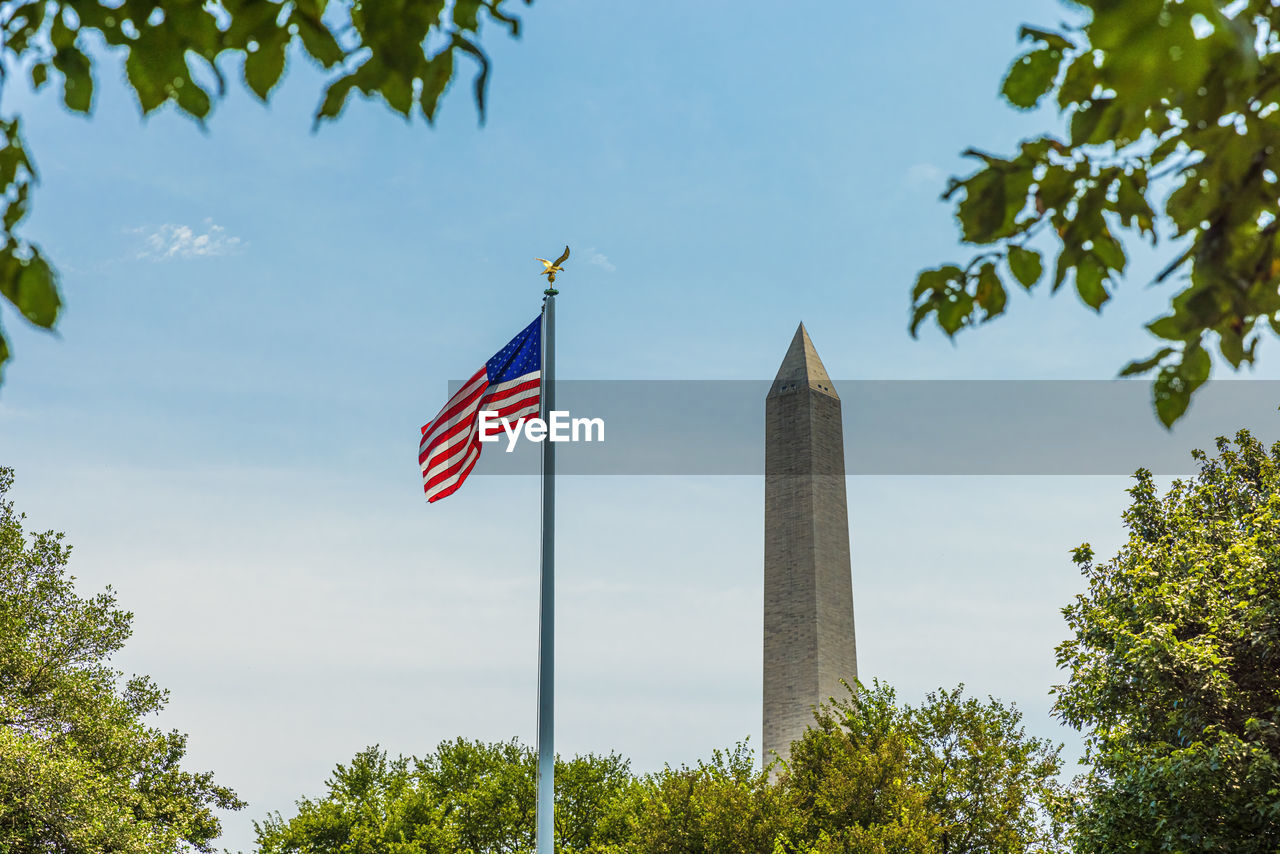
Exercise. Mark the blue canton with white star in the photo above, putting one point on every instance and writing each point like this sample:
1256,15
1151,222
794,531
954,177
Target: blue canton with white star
522,356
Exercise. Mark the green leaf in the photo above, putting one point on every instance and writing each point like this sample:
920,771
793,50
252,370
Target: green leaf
1095,124
194,27
1193,202
1052,39
466,14
1057,187
263,67
17,209
335,96
311,8
953,312
251,20
318,41
1231,343
13,155
1089,277
397,91
936,280
4,354
39,75
1109,251
1175,383
35,291
1002,220
1170,144
1203,306
1170,395
435,79
146,83
1030,77
60,35
934,292
918,316
192,99
982,210
1131,204
990,293
1026,266
1196,365
370,74
1066,261
1078,82
24,23
1034,151
77,88
1170,328
1141,366
1088,222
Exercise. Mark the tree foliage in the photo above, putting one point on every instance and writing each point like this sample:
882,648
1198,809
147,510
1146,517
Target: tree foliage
1173,132
180,52
851,782
726,804
954,776
466,796
1175,664
79,768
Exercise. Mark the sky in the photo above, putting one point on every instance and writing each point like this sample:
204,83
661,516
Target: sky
259,318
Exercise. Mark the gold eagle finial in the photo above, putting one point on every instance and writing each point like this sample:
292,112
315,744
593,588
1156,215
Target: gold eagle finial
553,267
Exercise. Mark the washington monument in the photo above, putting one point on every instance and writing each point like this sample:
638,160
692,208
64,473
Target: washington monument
808,592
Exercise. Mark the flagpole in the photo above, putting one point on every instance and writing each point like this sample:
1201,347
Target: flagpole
547,605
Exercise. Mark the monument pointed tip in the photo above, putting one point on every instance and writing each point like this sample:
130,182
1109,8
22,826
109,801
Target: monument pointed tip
802,367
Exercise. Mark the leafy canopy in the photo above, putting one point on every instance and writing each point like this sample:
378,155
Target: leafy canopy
1174,667
954,776
727,804
1173,116
79,768
466,796
403,52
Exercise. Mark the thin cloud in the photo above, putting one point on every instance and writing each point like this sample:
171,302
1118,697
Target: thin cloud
925,176
599,259
182,241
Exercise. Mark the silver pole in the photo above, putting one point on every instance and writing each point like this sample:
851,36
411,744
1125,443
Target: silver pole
547,612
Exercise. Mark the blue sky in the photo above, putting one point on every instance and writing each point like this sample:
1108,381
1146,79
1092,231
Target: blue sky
258,319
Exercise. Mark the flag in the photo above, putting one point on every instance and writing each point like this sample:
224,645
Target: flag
509,384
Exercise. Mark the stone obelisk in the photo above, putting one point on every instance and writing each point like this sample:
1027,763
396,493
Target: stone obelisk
808,591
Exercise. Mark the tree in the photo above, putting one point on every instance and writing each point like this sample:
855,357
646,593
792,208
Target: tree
372,806
952,776
851,781
989,786
79,768
466,796
1174,667
872,776
1170,105
587,788
722,805
181,51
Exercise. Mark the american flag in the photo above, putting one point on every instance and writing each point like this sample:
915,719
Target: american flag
509,384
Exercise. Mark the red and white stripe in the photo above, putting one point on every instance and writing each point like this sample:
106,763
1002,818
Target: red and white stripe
450,443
